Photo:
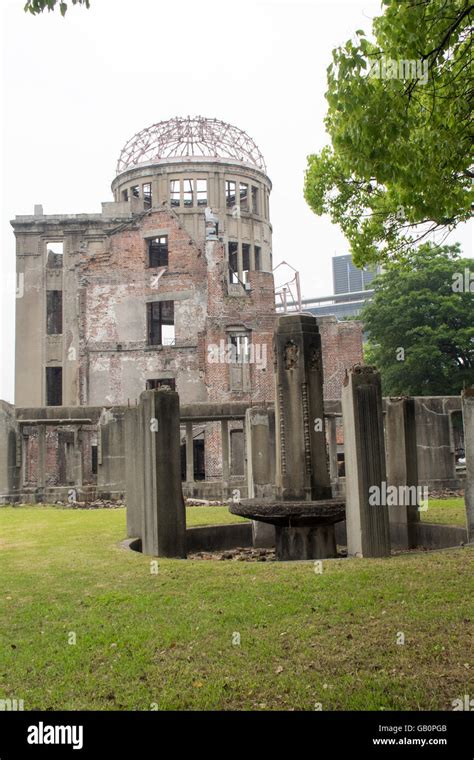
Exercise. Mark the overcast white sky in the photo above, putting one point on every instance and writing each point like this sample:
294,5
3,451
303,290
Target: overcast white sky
74,90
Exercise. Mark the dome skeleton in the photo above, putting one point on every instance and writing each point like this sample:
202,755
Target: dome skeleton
190,137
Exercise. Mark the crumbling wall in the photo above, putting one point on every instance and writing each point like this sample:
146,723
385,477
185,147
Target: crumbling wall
342,348
117,286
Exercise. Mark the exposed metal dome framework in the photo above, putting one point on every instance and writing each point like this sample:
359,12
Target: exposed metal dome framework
191,137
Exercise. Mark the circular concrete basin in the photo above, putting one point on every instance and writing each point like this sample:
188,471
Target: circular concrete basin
291,513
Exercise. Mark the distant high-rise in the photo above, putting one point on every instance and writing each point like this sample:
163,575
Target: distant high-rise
347,278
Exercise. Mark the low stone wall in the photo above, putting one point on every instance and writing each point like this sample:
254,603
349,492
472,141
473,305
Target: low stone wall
427,535
207,538
210,538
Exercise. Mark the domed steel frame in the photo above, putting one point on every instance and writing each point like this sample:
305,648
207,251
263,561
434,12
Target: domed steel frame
190,137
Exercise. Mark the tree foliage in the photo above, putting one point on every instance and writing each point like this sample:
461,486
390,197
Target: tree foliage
420,323
38,6
400,123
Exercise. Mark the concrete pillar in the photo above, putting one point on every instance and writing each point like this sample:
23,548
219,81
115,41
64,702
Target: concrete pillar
134,479
402,468
301,468
189,453
163,518
111,462
41,479
260,457
468,421
332,448
78,462
368,533
225,456
9,471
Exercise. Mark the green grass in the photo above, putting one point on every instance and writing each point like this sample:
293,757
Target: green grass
445,511
211,516
166,639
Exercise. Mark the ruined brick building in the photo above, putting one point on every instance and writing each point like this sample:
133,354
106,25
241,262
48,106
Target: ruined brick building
171,284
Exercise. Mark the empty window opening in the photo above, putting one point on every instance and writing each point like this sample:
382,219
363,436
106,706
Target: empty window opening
230,196
161,382
244,197
54,386
239,366
258,258
54,255
175,192
255,204
233,262
245,260
125,195
158,251
201,192
94,459
147,198
54,312
135,191
241,352
198,460
188,193
160,323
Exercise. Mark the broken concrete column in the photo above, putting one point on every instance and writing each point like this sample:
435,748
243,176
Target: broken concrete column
78,460
111,454
468,422
9,472
41,478
225,457
301,467
163,517
260,455
331,431
402,469
189,454
368,530
134,478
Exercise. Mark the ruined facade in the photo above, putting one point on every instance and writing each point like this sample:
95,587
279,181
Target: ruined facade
131,298
170,285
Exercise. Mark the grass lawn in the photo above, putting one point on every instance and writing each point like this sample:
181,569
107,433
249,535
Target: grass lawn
445,511
211,516
166,640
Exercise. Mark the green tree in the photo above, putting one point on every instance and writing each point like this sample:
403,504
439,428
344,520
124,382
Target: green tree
420,323
400,122
38,6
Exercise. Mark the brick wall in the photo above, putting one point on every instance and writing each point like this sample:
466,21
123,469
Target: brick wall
342,347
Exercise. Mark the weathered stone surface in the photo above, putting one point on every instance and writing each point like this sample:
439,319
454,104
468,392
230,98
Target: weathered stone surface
402,466
317,542
302,469
291,513
468,420
9,472
163,531
368,533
